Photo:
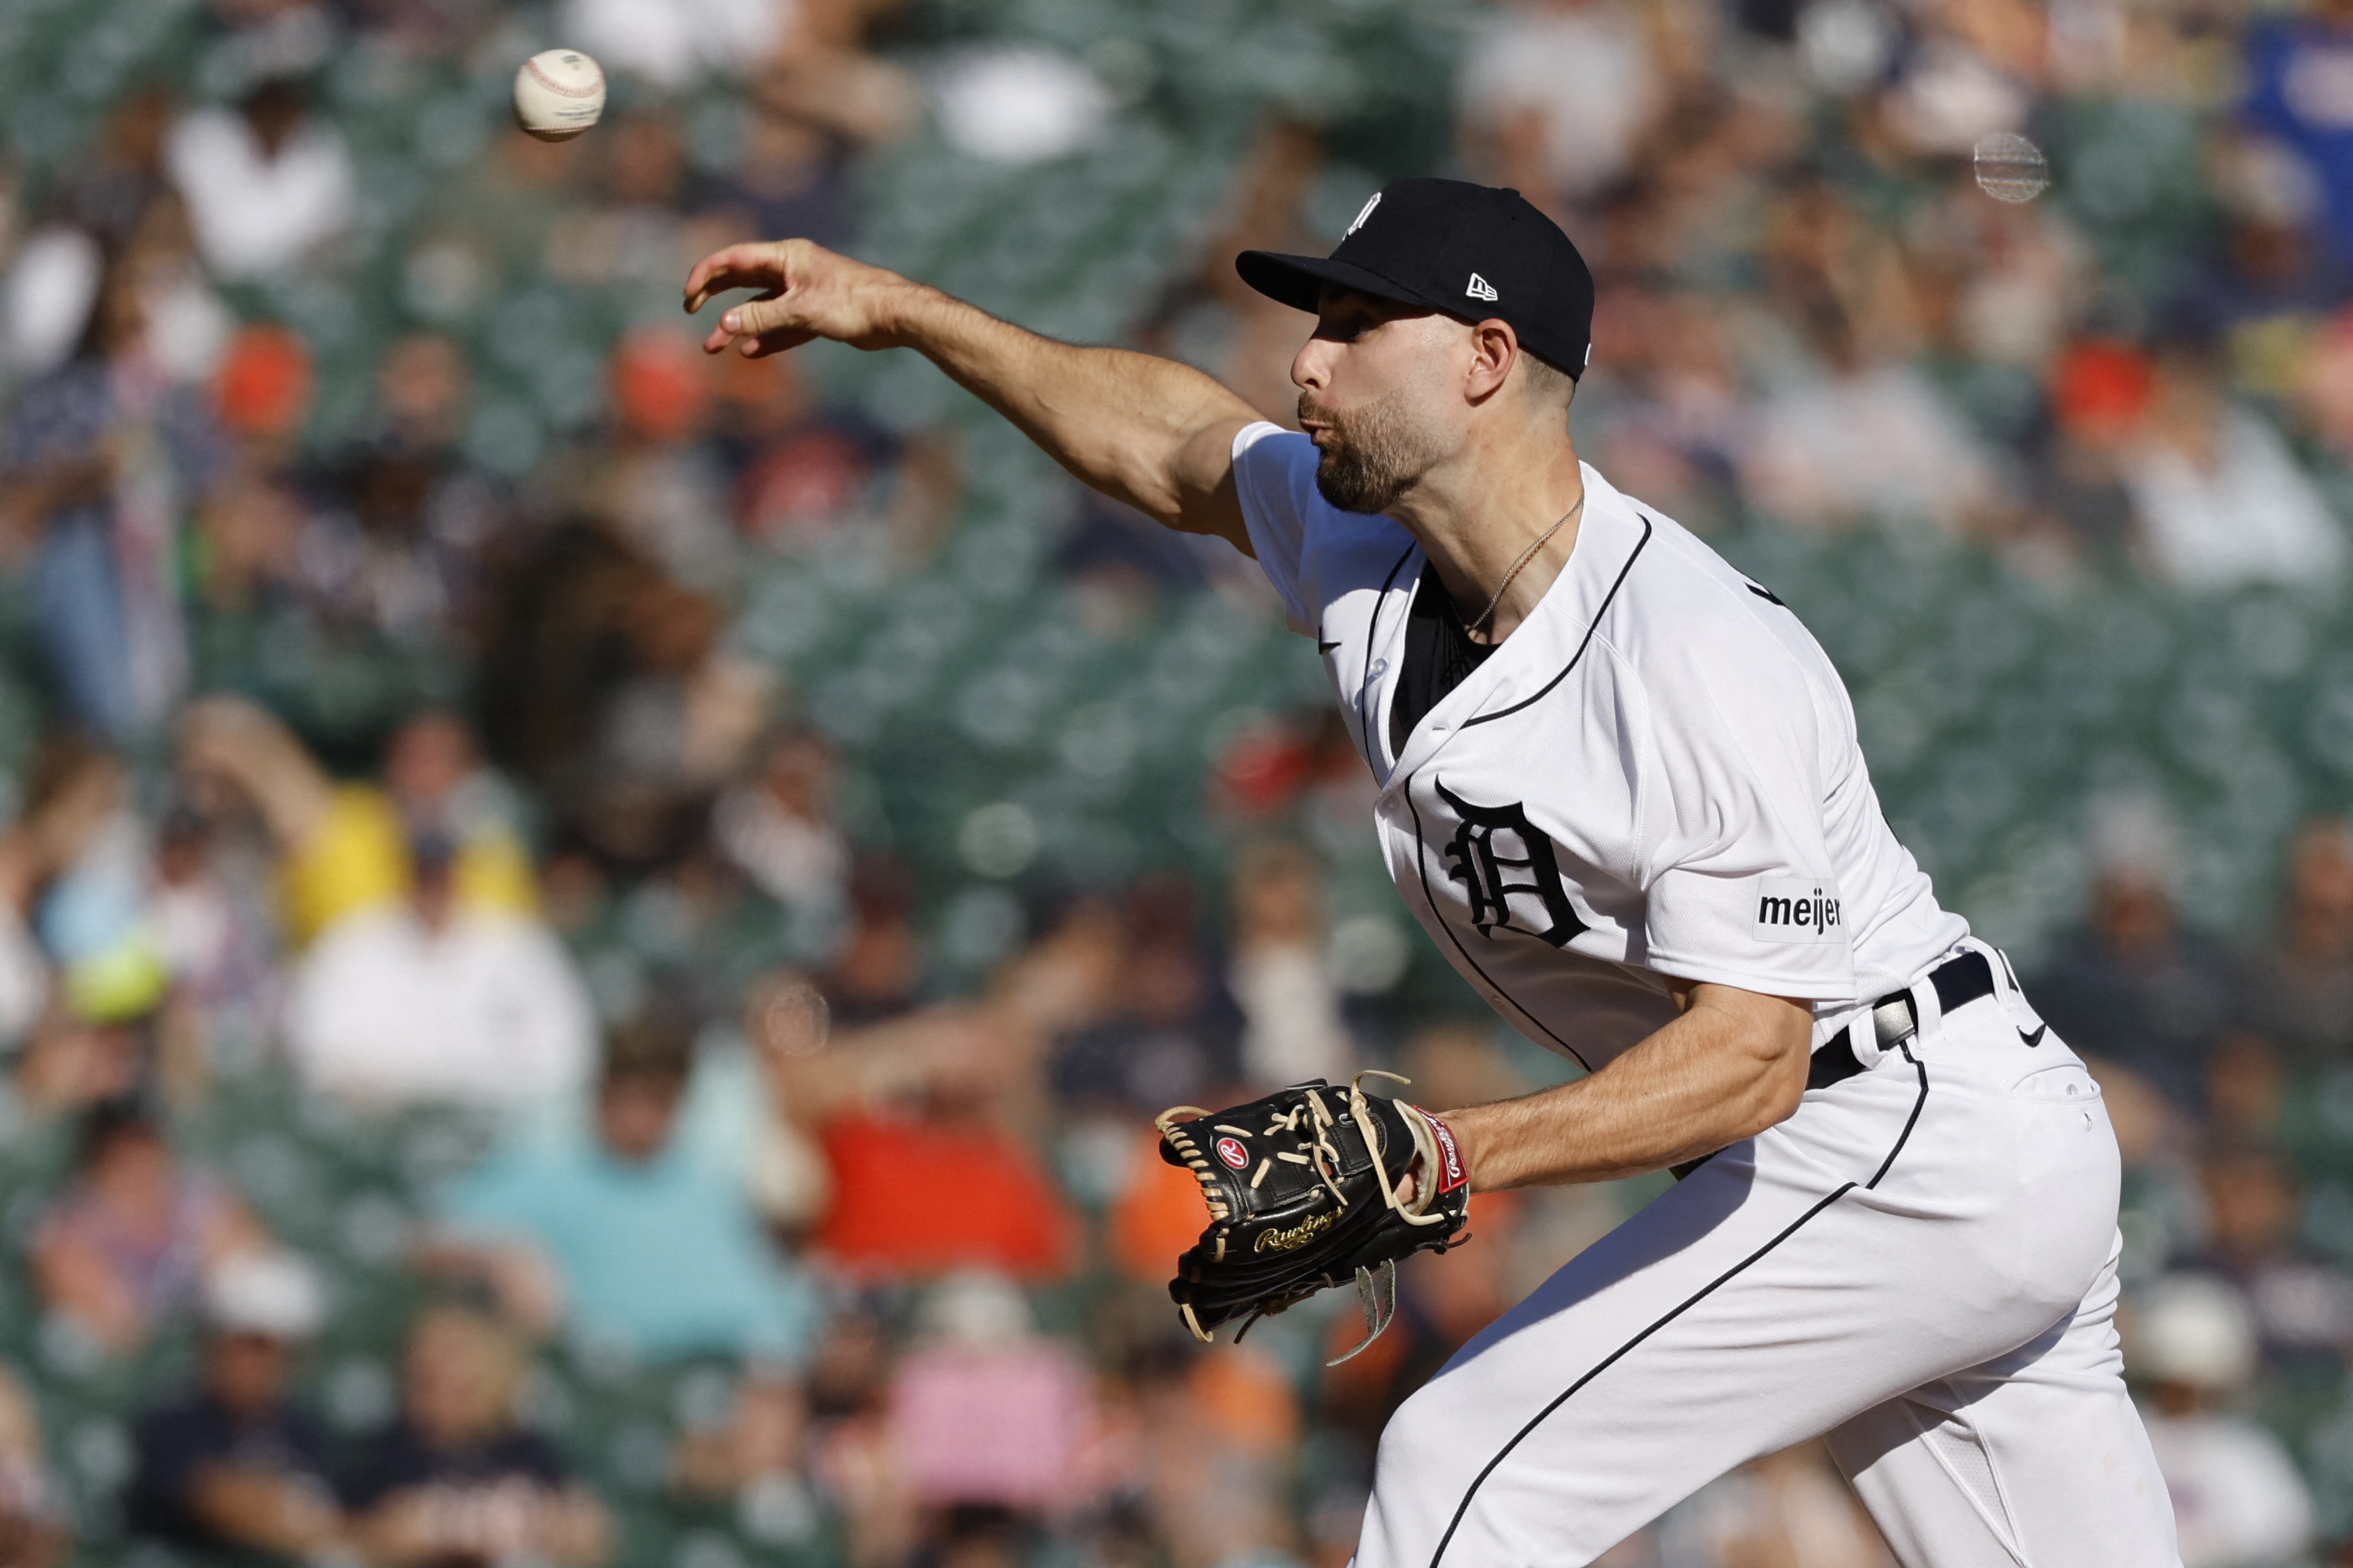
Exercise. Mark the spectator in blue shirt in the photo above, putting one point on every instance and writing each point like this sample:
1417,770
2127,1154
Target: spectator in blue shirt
652,1245
2300,94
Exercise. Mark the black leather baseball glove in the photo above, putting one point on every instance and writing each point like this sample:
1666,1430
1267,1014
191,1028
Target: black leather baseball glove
1302,1193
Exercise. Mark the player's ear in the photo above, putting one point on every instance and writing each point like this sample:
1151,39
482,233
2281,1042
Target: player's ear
1494,349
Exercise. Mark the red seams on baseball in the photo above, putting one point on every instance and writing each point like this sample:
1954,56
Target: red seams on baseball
554,85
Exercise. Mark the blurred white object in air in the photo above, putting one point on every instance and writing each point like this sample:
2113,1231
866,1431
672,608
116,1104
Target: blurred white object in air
47,298
671,43
1018,105
558,94
2010,168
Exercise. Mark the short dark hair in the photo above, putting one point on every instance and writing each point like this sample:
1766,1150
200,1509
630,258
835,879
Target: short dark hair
1547,381
656,1049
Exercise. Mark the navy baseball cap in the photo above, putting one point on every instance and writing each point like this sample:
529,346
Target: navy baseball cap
1473,251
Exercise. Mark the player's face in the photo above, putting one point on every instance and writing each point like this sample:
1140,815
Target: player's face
1367,381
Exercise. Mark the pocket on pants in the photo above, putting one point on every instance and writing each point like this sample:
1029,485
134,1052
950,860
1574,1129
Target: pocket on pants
2064,1082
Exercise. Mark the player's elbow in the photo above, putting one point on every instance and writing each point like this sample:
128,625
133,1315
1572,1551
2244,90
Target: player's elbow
1775,1048
1780,1085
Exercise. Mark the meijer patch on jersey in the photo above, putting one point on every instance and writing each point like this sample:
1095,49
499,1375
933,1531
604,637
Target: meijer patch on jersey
1797,908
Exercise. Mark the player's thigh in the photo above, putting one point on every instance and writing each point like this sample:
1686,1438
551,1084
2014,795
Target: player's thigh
2033,1459
1884,1237
1672,1351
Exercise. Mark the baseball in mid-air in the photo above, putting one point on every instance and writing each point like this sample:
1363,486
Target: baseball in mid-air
558,93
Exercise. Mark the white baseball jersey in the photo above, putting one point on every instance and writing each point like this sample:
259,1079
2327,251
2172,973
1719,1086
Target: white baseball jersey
1655,774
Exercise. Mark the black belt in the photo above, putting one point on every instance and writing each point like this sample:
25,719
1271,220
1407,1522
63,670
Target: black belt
1893,1018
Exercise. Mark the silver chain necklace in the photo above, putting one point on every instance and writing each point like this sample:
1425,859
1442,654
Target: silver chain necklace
1526,556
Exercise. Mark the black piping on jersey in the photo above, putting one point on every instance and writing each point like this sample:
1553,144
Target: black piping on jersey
1421,869
1639,545
1686,1305
1364,687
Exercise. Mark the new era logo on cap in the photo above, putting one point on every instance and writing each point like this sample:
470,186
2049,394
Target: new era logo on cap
1481,289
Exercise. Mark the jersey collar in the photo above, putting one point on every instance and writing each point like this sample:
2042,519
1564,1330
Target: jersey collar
1553,638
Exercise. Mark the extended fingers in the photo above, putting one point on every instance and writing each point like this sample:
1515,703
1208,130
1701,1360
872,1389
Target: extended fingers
761,316
735,266
764,264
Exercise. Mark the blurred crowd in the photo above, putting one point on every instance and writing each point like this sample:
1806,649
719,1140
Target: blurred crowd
494,1075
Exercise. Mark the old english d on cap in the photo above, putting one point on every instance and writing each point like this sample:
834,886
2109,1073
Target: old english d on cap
1473,251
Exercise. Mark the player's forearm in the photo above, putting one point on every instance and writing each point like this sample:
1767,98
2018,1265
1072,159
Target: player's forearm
1119,421
1713,1077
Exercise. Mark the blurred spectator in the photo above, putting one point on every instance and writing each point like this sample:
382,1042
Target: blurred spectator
100,455
73,792
434,999
655,1244
672,46
428,976
240,1464
606,686
343,845
262,392
1018,103
887,1167
2237,1499
266,185
2294,67
1556,94
878,967
110,192
2097,391
1292,1028
757,1457
1175,1035
454,1481
134,1237
1863,438
2245,1086
2275,278
2303,1308
2133,984
2217,496
780,827
1790,1507
1214,1448
985,1410
2301,988
36,1530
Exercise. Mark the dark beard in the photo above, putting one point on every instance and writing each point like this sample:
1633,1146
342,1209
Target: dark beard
1372,456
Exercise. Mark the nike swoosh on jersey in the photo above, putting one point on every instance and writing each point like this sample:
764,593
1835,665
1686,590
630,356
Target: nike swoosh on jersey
2035,1038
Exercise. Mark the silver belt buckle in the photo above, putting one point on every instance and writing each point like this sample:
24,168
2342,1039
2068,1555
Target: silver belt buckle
1894,1022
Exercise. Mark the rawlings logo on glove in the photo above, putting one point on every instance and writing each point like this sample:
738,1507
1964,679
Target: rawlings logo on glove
1303,1192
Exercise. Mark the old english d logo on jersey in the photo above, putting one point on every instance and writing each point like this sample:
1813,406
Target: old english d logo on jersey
1484,866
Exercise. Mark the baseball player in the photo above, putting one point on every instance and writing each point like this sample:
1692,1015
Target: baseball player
1620,788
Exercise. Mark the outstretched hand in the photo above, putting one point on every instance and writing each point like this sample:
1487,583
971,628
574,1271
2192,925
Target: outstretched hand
805,292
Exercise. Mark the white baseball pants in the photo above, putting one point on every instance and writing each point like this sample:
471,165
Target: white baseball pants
1919,1264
